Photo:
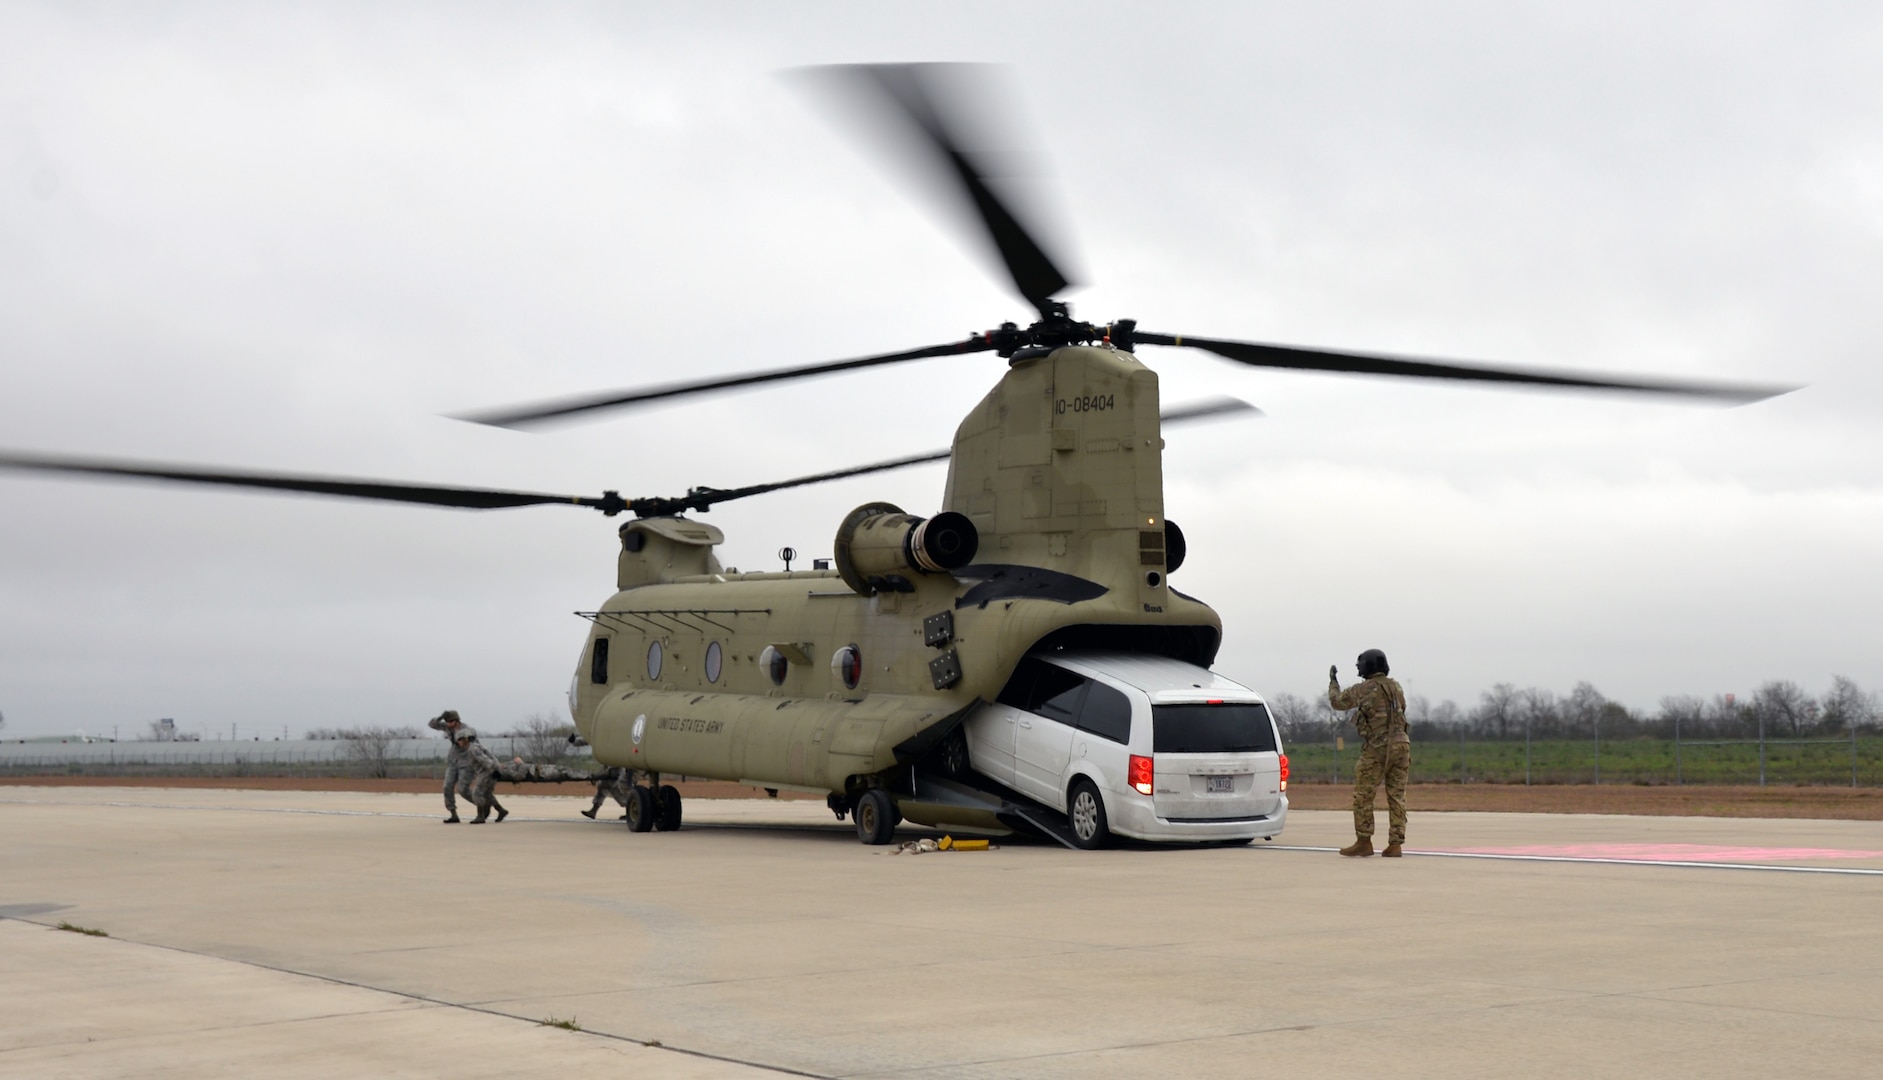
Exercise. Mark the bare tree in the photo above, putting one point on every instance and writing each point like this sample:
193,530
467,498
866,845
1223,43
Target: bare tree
1446,714
1296,717
371,748
1497,708
545,741
1538,709
1846,706
1684,713
1781,701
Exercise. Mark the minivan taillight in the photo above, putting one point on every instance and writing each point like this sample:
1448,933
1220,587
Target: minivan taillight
1141,774
1284,772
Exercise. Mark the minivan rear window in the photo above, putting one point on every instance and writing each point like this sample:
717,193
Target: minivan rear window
1211,729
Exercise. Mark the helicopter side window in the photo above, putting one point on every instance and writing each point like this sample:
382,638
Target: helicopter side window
776,665
598,662
1044,689
1106,713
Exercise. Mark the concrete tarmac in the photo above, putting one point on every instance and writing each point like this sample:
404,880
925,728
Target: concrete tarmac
332,934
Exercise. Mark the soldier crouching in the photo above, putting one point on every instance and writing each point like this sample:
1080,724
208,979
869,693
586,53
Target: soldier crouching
484,774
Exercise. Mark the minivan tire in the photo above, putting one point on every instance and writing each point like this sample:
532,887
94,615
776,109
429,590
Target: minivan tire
1085,812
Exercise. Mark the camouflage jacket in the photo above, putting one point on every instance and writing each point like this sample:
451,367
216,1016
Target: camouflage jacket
478,759
1381,705
454,756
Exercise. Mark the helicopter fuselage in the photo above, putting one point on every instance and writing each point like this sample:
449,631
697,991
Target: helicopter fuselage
840,680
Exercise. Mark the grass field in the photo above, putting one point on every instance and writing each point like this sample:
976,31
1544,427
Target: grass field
1623,761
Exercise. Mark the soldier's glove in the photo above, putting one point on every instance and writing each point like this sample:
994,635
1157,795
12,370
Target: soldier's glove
1333,673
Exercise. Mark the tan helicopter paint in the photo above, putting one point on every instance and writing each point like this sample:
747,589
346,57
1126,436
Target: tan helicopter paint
1060,466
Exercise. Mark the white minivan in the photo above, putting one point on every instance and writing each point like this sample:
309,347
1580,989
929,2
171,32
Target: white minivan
1141,746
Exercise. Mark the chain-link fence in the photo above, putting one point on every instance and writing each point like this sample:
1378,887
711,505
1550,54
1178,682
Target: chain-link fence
351,758
1850,761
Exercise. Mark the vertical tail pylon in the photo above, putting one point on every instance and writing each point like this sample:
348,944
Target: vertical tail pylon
1061,466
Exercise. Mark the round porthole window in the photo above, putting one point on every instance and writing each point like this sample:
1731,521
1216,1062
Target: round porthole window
775,665
653,659
847,665
714,661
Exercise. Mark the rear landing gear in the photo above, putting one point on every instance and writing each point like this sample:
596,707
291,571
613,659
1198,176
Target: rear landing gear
876,817
667,808
641,808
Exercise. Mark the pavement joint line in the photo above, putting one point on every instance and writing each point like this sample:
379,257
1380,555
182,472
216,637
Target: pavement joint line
651,1044
1687,864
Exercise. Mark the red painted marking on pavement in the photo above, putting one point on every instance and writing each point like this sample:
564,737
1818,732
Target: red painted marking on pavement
1671,852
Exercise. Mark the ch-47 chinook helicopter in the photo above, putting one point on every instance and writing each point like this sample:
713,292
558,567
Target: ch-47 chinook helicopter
859,680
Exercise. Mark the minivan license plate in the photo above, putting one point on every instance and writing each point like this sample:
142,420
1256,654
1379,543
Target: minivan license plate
1222,785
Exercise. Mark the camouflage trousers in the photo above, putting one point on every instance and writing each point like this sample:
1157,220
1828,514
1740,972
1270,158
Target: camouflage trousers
457,782
1386,764
483,788
614,787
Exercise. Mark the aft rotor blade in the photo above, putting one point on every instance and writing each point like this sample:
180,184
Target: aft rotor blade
340,487
521,416
701,498
1297,358
920,95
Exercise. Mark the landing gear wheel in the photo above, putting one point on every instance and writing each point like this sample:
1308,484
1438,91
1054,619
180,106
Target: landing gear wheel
876,817
641,808
667,804
954,754
1085,810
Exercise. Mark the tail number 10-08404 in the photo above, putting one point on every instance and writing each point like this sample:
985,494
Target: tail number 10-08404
1092,403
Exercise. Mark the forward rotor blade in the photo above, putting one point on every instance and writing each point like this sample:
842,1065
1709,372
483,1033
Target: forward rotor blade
522,416
1302,359
701,498
929,100
340,487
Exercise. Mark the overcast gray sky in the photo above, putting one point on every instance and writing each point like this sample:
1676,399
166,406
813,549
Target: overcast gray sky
292,237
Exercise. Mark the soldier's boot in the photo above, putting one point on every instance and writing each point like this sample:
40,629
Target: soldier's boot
453,819
501,812
483,815
589,813
1360,848
1392,850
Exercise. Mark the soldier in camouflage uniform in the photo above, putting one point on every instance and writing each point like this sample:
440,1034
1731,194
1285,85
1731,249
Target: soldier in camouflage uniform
1385,753
614,782
457,770
484,772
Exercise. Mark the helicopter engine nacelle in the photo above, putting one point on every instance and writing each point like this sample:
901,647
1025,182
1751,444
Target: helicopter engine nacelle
878,546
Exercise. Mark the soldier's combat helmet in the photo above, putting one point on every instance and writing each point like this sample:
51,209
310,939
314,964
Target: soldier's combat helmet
449,716
1372,662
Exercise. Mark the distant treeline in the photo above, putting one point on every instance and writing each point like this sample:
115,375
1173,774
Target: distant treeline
1779,708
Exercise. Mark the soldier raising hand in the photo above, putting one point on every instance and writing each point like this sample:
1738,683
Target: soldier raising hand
1385,752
